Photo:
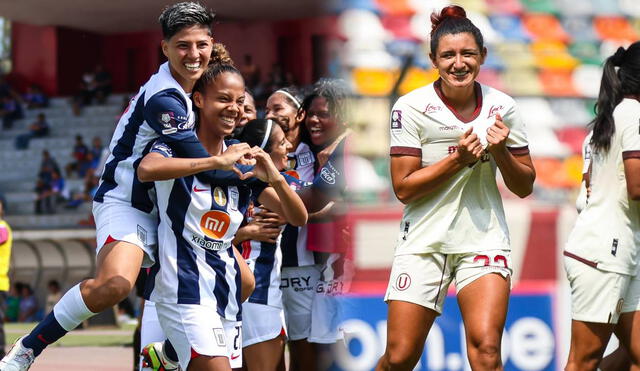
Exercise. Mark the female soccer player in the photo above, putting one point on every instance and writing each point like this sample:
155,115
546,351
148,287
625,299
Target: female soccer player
195,284
262,314
601,255
126,219
447,138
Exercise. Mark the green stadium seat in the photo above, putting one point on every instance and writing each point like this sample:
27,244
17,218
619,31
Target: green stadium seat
586,52
540,6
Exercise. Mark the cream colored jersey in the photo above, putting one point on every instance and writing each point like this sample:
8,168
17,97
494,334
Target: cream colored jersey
607,231
465,213
582,198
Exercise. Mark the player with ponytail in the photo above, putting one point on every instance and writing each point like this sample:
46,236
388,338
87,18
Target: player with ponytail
447,141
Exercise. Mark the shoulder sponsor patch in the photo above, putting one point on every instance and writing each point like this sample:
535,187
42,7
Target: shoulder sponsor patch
396,119
305,158
172,122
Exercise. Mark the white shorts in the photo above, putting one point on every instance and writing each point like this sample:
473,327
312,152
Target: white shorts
596,295
632,299
193,328
325,317
298,286
424,279
260,323
125,223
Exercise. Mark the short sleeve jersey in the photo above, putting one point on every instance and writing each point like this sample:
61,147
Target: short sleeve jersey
195,263
581,199
160,109
607,231
465,214
300,165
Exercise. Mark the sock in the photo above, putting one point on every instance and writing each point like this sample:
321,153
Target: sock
67,314
170,352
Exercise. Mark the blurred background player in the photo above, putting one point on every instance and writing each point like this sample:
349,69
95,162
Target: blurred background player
601,255
453,225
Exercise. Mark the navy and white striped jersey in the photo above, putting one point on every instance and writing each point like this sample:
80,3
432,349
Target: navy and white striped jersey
265,260
294,239
160,109
198,220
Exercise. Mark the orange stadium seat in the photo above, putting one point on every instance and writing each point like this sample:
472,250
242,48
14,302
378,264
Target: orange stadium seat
557,83
544,27
551,173
552,55
373,82
416,78
616,28
396,7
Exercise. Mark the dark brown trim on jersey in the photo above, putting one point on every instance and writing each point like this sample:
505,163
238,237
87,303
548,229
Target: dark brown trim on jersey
408,151
444,267
581,260
630,154
519,150
478,90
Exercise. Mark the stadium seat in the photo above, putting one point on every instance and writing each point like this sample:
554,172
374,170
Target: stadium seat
476,6
551,173
615,28
557,83
572,136
579,28
510,27
515,54
373,82
606,7
395,7
552,55
346,5
362,26
491,78
544,27
571,112
586,79
521,81
575,8
420,25
512,7
586,52
399,26
417,78
493,60
489,34
630,7
540,6
426,7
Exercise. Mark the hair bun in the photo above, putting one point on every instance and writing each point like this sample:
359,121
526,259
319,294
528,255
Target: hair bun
451,11
220,55
618,58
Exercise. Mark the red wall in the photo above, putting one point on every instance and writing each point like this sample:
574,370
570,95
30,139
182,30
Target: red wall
56,57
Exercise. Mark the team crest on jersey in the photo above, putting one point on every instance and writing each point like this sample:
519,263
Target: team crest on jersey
396,119
234,197
215,223
219,197
304,159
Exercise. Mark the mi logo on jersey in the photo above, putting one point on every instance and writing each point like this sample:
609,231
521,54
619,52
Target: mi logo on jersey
219,197
215,224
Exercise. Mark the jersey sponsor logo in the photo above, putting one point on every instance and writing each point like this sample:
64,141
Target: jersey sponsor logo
172,122
215,223
403,282
396,119
196,189
304,159
333,287
216,245
296,283
430,108
328,173
219,197
619,305
448,128
614,247
452,149
494,110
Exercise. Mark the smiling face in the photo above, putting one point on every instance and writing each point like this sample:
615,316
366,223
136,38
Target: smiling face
280,146
280,110
323,127
221,106
458,59
188,52
249,110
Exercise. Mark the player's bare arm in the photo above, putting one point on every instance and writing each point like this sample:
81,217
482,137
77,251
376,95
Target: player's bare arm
411,181
517,170
156,167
